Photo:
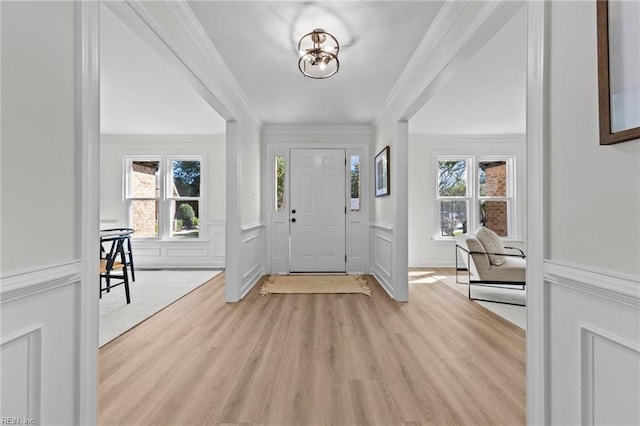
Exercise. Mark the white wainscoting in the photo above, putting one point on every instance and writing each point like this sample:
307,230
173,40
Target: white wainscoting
39,344
381,255
252,256
279,244
594,341
356,245
208,252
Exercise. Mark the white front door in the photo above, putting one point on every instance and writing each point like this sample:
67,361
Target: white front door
317,210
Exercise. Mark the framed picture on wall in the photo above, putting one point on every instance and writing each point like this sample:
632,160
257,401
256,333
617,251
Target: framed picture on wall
381,167
618,70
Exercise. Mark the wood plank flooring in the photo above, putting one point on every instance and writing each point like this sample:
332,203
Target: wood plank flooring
316,359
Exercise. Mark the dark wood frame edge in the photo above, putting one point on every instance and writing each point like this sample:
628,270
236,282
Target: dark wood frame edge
388,152
606,136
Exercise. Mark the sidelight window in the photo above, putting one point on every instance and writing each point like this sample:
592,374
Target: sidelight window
355,183
279,183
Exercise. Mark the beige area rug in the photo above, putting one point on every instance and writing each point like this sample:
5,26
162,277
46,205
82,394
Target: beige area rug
290,284
152,291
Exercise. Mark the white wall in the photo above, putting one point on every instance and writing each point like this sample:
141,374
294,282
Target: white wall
388,222
592,271
251,253
38,135
40,289
424,249
250,176
245,246
208,251
595,191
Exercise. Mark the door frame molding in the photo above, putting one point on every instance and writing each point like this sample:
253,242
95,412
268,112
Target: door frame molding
356,222
537,372
87,169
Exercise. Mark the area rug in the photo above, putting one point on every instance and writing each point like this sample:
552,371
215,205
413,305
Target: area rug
289,284
151,292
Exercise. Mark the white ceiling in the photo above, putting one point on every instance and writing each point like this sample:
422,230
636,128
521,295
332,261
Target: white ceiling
258,42
140,94
489,95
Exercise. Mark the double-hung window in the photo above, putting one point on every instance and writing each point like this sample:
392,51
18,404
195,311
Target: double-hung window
494,196
472,191
454,195
164,196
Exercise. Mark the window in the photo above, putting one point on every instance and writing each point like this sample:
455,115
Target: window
144,197
460,204
184,198
163,197
355,183
279,175
493,190
453,196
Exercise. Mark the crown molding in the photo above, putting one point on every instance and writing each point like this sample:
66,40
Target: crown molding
464,138
440,26
317,129
448,17
199,37
155,33
203,138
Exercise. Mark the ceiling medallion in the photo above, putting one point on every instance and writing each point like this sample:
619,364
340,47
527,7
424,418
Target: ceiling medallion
318,54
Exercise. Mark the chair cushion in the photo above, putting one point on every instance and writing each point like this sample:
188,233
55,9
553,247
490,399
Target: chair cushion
514,269
480,262
492,244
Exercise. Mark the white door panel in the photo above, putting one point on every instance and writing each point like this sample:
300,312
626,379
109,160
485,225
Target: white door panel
317,210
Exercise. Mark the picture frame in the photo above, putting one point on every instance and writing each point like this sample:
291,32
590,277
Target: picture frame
618,73
381,170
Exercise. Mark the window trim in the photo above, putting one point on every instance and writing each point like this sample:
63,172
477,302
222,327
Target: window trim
165,199
473,197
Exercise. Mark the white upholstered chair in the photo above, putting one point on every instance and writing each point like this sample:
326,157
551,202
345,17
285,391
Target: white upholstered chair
489,264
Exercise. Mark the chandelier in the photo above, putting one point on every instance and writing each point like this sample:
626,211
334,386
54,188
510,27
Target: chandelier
318,54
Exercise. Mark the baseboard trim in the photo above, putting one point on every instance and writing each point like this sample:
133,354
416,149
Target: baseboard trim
250,282
384,283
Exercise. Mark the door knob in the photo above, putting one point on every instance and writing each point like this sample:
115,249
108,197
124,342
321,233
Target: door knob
293,219
293,211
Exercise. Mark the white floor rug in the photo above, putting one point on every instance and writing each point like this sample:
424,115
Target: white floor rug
150,293
514,314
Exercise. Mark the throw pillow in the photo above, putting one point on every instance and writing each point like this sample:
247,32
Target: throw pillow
492,244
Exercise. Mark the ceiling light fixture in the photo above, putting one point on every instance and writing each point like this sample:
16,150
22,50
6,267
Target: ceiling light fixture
318,54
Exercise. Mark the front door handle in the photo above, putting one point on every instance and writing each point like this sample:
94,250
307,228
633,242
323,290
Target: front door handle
293,219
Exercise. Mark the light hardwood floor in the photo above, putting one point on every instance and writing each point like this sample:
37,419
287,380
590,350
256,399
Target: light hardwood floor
315,360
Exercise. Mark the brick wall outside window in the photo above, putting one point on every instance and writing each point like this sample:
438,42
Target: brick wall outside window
144,213
496,186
